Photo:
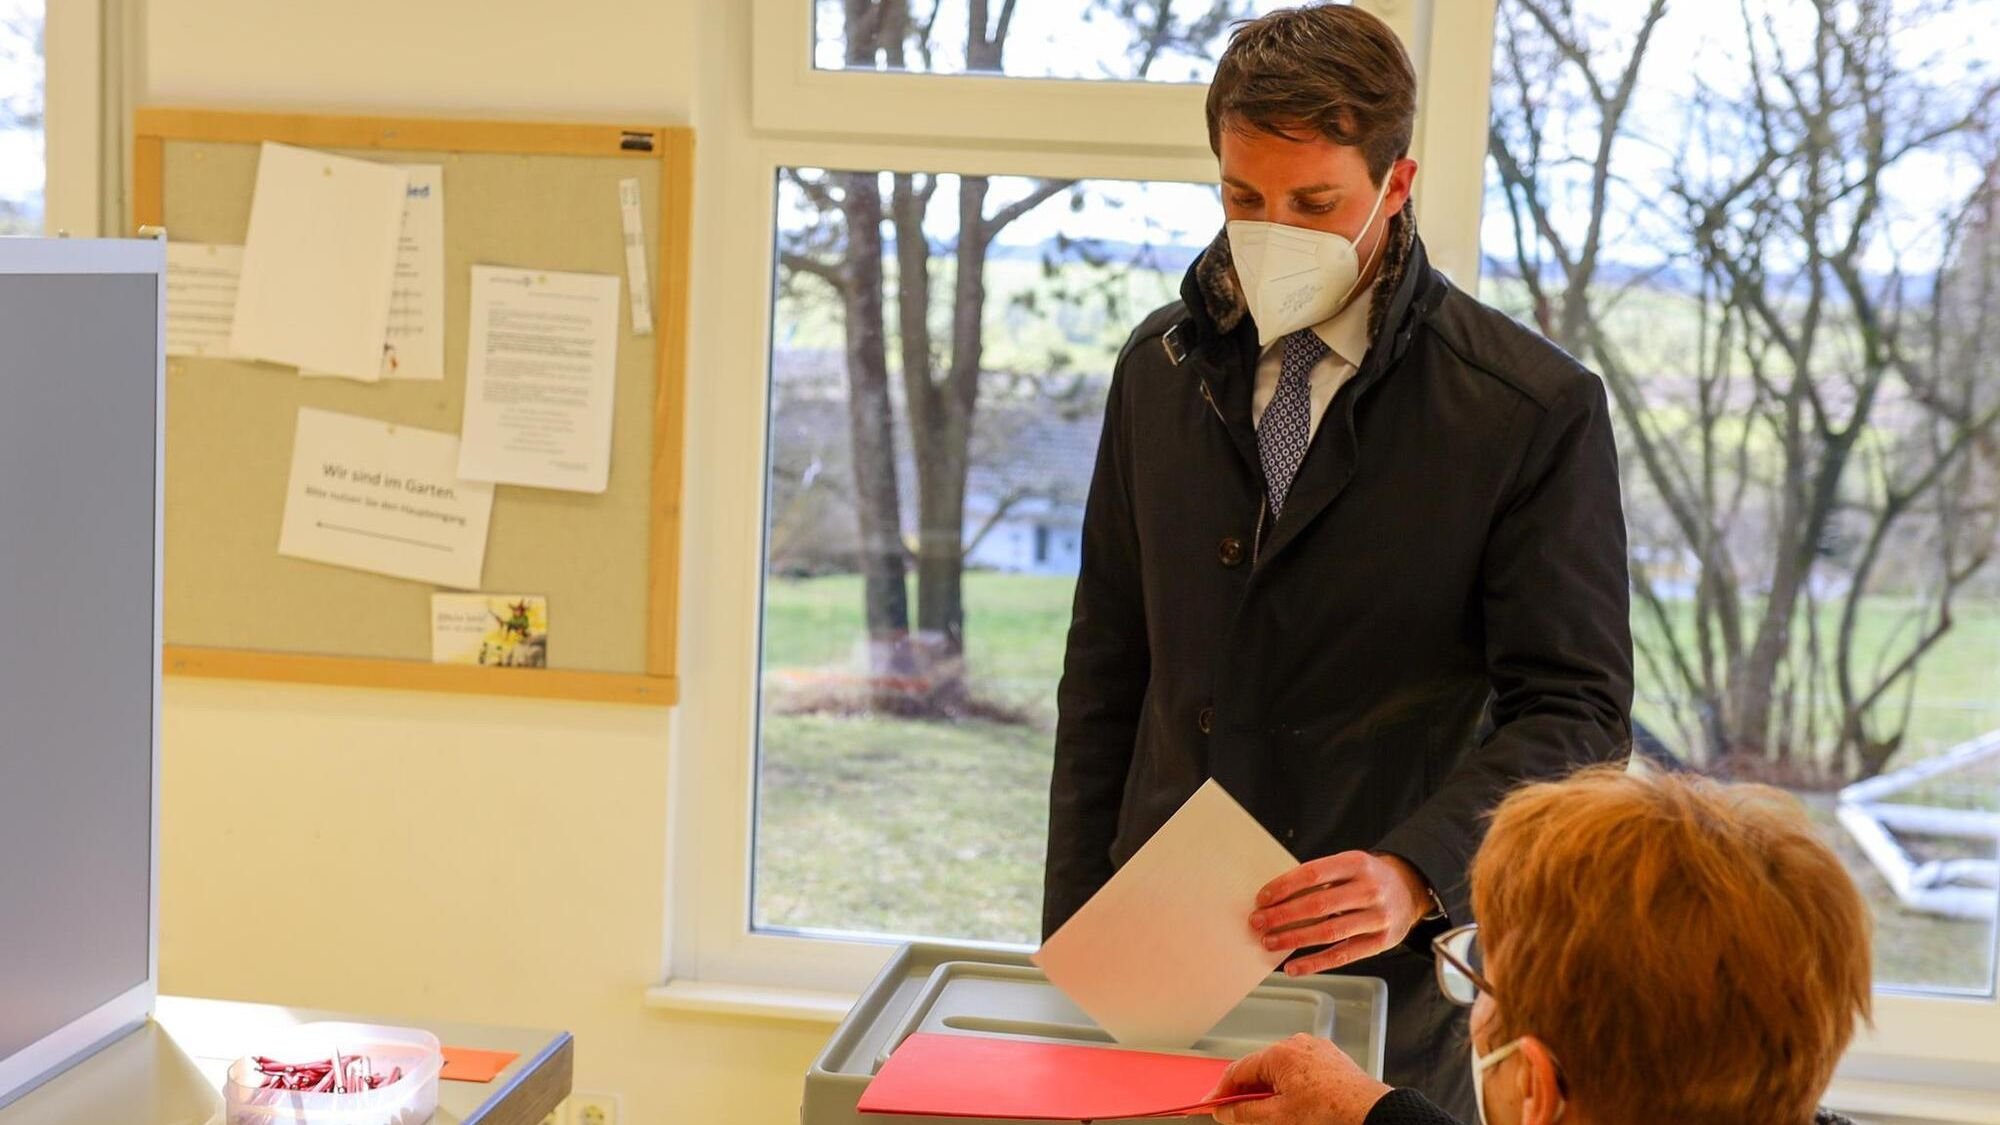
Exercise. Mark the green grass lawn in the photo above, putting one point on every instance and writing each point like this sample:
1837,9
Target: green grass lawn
1014,629
894,826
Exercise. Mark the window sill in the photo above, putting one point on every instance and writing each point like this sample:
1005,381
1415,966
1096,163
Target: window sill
1870,1100
750,1001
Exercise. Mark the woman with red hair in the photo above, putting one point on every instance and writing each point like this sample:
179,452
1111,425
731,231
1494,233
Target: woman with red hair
1649,949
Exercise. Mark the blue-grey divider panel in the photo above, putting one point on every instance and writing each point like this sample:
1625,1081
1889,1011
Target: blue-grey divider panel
77,460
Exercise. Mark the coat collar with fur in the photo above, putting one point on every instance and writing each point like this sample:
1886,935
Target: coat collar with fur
1222,294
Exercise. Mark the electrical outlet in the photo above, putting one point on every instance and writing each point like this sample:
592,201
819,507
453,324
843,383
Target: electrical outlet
593,1109
558,1116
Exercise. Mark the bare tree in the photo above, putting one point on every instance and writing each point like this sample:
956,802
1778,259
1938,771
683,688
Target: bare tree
940,358
1806,430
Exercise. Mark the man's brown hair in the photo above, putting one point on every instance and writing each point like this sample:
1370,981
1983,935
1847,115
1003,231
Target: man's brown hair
1688,951
1329,68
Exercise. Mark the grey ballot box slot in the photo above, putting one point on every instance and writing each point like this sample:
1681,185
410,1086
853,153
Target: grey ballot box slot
967,990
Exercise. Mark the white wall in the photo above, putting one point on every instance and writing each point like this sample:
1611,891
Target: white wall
517,58
515,850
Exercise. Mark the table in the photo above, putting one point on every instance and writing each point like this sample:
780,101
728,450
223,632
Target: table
169,1071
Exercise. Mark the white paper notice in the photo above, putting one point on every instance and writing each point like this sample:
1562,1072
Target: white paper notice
413,347
1164,950
540,371
636,284
320,261
201,297
385,498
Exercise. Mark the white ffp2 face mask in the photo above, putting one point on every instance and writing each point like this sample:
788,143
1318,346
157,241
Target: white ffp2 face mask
1295,277
1480,1064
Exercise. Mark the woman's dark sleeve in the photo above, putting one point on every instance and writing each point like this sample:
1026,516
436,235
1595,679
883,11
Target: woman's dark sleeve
1407,1107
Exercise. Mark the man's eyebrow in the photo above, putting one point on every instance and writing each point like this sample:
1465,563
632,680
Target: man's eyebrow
1309,189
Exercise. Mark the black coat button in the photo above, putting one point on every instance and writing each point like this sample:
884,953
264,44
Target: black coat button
1230,551
1205,720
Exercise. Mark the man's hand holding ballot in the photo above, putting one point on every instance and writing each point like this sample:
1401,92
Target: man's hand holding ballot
1355,904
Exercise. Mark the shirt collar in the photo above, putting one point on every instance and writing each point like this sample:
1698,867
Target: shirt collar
1345,333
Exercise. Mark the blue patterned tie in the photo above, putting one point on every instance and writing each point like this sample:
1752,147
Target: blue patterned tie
1286,428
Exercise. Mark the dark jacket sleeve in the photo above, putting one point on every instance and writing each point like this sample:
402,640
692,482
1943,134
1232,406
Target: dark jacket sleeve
1407,1107
1558,639
1103,687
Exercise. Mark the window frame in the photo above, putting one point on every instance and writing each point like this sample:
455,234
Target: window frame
73,117
790,114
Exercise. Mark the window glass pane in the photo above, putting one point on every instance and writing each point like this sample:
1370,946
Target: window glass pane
22,166
1153,40
1799,327
913,629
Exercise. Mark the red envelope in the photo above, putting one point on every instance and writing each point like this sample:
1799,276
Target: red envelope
1018,1080
463,1064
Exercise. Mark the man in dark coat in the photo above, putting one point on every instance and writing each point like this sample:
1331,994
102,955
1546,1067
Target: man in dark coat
1353,547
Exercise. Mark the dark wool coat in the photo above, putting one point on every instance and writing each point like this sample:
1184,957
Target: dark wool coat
1407,1107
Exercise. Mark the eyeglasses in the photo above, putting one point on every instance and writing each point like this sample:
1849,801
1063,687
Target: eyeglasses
1460,965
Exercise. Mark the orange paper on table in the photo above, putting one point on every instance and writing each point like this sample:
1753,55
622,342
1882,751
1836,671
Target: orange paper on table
934,1075
463,1064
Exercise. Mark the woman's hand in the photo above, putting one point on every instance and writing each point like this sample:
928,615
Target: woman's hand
1311,1081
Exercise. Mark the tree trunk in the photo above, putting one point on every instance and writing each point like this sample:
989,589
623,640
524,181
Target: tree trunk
871,429
941,417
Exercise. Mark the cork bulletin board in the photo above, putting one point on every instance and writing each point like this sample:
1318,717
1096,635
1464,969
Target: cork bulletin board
540,196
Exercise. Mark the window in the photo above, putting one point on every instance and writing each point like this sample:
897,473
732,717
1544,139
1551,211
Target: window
23,78
1784,264
1149,40
913,630
1094,193
800,770
931,429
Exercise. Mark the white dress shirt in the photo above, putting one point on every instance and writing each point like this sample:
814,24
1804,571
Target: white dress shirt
1345,334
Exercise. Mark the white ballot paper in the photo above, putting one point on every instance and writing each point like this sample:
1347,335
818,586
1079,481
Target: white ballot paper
386,498
540,370
201,297
414,345
1164,950
320,261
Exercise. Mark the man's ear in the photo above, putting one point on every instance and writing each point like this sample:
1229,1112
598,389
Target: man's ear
1542,1100
1402,180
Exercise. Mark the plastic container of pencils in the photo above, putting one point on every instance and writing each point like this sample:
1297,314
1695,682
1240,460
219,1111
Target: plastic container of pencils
337,1074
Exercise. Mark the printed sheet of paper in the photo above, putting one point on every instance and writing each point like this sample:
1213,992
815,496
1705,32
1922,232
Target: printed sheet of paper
500,630
1164,950
319,264
414,345
540,371
386,498
201,297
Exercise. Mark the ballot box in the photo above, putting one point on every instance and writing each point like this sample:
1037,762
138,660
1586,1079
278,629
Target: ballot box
967,990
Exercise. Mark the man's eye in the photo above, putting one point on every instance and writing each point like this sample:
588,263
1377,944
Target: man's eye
1315,208
1245,200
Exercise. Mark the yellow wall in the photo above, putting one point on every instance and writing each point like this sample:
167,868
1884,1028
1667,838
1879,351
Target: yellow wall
513,852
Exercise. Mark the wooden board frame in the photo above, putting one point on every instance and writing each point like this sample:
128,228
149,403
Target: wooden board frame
673,148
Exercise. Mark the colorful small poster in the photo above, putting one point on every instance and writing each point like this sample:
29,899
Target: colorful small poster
498,630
